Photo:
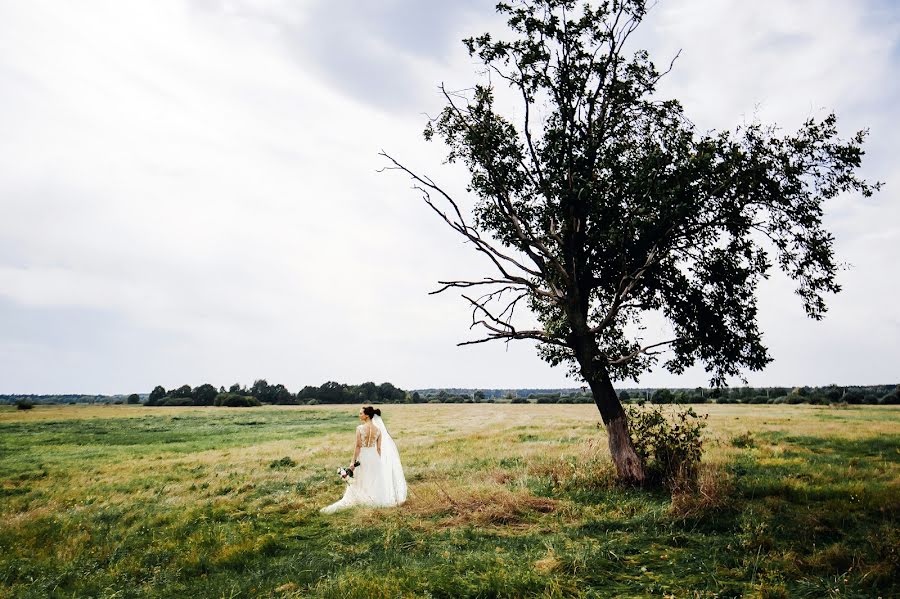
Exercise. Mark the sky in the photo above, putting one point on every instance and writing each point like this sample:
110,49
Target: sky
189,189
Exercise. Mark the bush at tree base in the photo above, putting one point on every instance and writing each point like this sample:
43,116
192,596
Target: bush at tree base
671,449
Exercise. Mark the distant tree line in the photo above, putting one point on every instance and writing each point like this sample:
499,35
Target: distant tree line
261,392
873,394
829,394
69,398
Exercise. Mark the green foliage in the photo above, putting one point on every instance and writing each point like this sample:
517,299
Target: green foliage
24,404
595,180
670,447
892,398
134,398
182,392
230,400
366,393
662,396
264,393
176,401
204,395
157,395
744,440
285,462
272,394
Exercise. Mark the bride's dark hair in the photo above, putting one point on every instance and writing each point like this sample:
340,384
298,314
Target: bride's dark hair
371,412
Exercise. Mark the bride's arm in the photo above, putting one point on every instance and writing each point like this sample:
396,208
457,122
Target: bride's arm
356,450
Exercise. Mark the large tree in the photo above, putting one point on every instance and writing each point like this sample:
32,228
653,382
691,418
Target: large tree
599,203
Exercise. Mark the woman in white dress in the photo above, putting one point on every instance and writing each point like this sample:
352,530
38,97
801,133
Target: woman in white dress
378,481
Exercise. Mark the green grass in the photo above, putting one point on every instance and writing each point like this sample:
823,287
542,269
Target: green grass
505,501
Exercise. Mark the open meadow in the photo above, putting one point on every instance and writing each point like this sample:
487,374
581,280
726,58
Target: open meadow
505,500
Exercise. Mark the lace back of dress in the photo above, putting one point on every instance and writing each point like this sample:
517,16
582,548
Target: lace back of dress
369,435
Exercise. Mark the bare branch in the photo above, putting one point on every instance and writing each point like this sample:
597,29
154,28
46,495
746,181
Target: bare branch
524,234
424,185
489,281
503,329
643,350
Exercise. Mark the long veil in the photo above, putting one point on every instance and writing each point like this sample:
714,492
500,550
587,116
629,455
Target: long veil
390,459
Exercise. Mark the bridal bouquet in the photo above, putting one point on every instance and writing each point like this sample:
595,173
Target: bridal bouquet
346,474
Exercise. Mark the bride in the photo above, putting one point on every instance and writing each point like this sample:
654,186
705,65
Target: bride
378,481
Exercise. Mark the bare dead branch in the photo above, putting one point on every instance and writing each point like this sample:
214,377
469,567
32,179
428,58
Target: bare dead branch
503,329
424,185
643,350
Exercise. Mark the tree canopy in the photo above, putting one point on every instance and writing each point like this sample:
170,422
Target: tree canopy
599,203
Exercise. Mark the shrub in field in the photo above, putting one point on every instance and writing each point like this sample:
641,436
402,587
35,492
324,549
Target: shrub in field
575,399
670,449
177,401
24,404
743,440
285,462
518,400
233,400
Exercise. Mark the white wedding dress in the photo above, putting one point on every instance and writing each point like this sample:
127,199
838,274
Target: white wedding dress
378,481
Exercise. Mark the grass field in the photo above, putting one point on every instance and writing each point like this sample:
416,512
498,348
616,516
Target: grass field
505,500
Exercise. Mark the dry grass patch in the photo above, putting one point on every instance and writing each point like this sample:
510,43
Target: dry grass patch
589,469
500,476
549,563
713,490
483,506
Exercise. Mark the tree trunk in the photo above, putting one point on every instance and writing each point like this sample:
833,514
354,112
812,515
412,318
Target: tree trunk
628,465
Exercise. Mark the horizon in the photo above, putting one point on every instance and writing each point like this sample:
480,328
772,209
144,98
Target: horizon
497,389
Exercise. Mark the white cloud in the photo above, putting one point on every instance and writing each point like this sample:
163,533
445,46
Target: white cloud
199,185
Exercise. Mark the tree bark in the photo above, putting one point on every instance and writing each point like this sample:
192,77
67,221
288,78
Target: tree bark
628,464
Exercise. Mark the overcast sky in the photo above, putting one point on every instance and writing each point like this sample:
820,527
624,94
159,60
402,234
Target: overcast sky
188,189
